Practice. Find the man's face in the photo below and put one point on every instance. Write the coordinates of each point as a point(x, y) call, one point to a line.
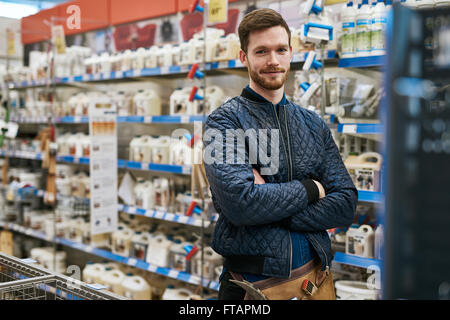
point(268, 57)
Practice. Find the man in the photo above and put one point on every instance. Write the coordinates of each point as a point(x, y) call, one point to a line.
point(272, 227)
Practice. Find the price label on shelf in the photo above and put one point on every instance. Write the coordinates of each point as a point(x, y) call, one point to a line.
point(131, 210)
point(137, 73)
point(152, 268)
point(148, 119)
point(132, 262)
point(159, 214)
point(173, 274)
point(184, 119)
point(170, 216)
point(349, 128)
point(183, 219)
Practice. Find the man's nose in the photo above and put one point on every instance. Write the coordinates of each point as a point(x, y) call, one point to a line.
point(272, 59)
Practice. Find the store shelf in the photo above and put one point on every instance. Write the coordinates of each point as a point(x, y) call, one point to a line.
point(356, 261)
point(124, 164)
point(166, 216)
point(168, 272)
point(362, 62)
point(149, 72)
point(360, 128)
point(370, 196)
point(120, 119)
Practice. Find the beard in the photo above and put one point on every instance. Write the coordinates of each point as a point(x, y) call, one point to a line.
point(268, 82)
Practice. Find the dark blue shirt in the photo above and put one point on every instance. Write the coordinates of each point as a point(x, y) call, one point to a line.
point(302, 250)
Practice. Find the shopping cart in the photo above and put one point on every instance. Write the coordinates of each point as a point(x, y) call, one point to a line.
point(20, 280)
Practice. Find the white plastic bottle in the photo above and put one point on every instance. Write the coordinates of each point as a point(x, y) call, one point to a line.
point(379, 242)
point(363, 25)
point(348, 39)
point(379, 22)
point(136, 288)
point(426, 3)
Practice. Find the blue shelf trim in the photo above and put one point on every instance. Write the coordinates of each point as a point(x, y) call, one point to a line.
point(370, 196)
point(362, 62)
point(356, 261)
point(362, 128)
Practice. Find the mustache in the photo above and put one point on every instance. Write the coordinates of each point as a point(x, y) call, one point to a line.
point(273, 70)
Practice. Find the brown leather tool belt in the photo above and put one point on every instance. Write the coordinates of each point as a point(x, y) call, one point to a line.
point(307, 282)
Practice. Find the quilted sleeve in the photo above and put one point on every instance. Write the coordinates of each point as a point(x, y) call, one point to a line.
point(241, 201)
point(338, 207)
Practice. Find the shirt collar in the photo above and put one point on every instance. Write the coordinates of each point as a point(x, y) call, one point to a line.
point(251, 94)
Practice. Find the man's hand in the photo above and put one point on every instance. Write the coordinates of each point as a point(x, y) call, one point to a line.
point(321, 189)
point(258, 178)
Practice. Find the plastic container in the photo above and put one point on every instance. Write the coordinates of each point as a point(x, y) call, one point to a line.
point(144, 195)
point(365, 170)
point(161, 149)
point(355, 290)
point(92, 272)
point(379, 242)
point(140, 149)
point(158, 251)
point(162, 193)
point(177, 255)
point(185, 53)
point(348, 38)
point(379, 23)
point(176, 294)
point(124, 102)
point(212, 260)
point(179, 102)
point(180, 152)
point(363, 30)
point(150, 57)
point(139, 245)
point(136, 288)
point(75, 231)
point(360, 242)
point(121, 242)
point(214, 99)
point(147, 103)
point(226, 48)
point(113, 281)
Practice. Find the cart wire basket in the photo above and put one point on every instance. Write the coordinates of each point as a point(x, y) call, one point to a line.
point(20, 280)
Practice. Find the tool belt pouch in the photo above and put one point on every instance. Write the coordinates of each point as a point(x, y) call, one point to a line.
point(306, 283)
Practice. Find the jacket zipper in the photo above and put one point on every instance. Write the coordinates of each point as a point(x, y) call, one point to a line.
point(289, 179)
point(284, 145)
point(327, 268)
point(288, 143)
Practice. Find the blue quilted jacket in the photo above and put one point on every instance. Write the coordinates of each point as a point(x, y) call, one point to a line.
point(252, 232)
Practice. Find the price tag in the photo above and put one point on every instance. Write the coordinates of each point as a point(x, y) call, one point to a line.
point(349, 128)
point(170, 216)
point(184, 119)
point(137, 73)
point(86, 77)
point(183, 219)
point(148, 119)
point(131, 210)
point(152, 268)
point(173, 274)
point(186, 169)
point(97, 76)
point(218, 11)
point(58, 39)
point(11, 42)
point(159, 214)
point(132, 262)
point(149, 213)
point(77, 119)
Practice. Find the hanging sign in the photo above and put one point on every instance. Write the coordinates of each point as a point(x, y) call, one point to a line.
point(11, 42)
point(103, 165)
point(58, 38)
point(218, 11)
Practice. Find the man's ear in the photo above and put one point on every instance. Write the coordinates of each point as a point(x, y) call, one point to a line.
point(243, 58)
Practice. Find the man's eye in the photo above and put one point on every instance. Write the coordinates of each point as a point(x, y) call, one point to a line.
point(282, 49)
point(260, 51)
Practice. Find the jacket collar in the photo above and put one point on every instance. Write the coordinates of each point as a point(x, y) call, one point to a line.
point(251, 94)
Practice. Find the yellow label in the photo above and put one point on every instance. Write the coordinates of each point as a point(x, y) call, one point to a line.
point(59, 41)
point(11, 42)
point(218, 11)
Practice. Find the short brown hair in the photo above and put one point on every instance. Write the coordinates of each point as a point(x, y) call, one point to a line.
point(257, 20)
